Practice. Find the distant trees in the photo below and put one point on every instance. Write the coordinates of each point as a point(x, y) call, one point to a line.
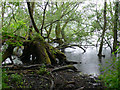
point(112, 25)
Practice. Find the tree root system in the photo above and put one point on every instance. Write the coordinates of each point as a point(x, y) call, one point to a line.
point(52, 78)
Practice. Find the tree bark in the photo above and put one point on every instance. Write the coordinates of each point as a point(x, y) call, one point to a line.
point(31, 26)
point(48, 35)
point(62, 30)
point(104, 29)
point(42, 52)
point(115, 27)
point(32, 19)
point(58, 34)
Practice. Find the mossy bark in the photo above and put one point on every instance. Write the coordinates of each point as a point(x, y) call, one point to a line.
point(39, 51)
point(42, 52)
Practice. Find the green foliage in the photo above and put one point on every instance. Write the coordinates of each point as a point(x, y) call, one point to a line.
point(42, 70)
point(11, 39)
point(16, 78)
point(110, 76)
point(18, 28)
point(15, 3)
point(38, 37)
point(4, 79)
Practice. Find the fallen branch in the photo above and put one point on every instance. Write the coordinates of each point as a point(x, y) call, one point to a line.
point(64, 68)
point(72, 46)
point(72, 62)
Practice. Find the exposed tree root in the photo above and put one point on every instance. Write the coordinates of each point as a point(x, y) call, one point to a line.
point(64, 68)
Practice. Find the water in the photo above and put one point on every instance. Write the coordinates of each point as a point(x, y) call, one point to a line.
point(90, 61)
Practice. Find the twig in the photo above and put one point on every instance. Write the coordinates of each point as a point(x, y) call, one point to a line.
point(61, 16)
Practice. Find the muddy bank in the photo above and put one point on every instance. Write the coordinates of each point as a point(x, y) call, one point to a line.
point(44, 79)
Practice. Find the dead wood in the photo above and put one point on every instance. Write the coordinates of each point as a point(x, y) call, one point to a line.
point(63, 46)
point(72, 62)
point(64, 68)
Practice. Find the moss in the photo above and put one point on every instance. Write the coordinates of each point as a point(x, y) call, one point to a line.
point(47, 57)
point(38, 37)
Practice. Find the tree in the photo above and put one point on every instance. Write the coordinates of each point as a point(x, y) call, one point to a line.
point(104, 29)
point(31, 26)
point(115, 26)
point(41, 51)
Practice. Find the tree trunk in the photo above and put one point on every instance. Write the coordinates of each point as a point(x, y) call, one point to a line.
point(31, 26)
point(31, 16)
point(42, 52)
point(58, 33)
point(115, 27)
point(48, 35)
point(63, 32)
point(104, 29)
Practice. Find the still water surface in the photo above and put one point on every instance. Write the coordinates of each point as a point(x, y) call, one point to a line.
point(90, 63)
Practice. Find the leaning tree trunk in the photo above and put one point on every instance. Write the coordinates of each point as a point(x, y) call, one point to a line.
point(104, 29)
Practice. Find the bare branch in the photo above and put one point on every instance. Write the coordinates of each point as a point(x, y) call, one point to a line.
point(61, 16)
point(43, 17)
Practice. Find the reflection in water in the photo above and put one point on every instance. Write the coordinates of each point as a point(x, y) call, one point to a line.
point(90, 61)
